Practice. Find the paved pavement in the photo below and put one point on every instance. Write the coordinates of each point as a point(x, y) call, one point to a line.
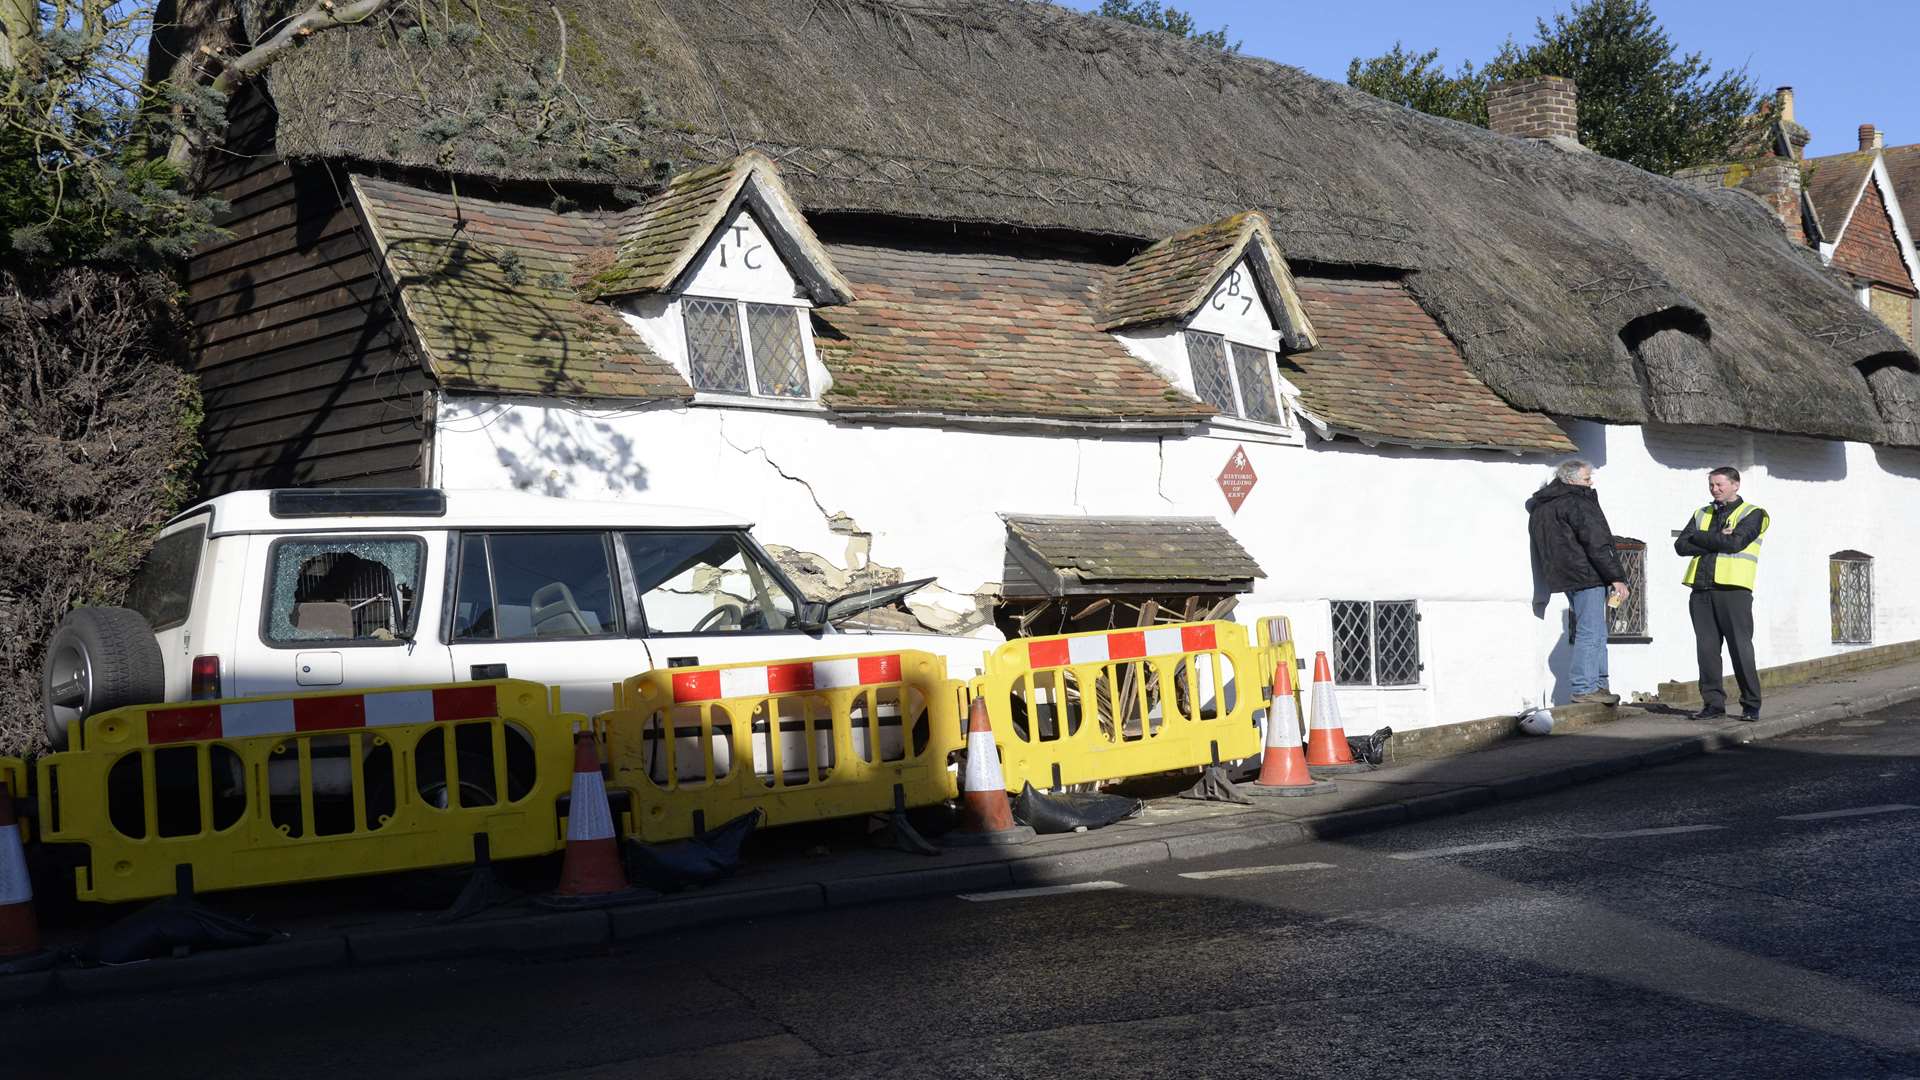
point(364, 924)
point(1745, 913)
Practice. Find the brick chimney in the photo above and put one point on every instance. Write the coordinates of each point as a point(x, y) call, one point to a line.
point(1540, 107)
point(1776, 182)
point(1870, 138)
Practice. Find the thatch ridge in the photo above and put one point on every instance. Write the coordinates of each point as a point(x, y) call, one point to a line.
point(1533, 258)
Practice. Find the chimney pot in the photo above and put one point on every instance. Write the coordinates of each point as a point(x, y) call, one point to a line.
point(1870, 139)
point(1783, 102)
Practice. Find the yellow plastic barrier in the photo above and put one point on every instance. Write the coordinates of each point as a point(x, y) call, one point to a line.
point(1077, 708)
point(801, 740)
point(267, 791)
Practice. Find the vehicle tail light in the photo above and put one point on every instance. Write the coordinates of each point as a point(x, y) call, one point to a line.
point(206, 678)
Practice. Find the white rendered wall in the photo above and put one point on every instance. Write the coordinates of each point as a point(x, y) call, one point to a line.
point(1326, 520)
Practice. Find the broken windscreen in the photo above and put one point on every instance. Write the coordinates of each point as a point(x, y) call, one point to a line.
point(705, 582)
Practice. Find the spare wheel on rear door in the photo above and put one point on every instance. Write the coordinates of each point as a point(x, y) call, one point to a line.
point(100, 658)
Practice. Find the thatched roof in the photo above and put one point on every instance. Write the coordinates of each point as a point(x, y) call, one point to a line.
point(1553, 270)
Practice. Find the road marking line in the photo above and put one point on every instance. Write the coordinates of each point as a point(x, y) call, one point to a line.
point(1255, 871)
point(1858, 812)
point(1670, 830)
point(1463, 849)
point(1044, 890)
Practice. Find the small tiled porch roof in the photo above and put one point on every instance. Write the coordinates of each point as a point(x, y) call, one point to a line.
point(1068, 554)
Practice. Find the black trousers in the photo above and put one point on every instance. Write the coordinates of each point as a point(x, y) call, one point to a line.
point(1725, 615)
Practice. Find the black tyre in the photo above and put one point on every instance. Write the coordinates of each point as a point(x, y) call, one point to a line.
point(100, 658)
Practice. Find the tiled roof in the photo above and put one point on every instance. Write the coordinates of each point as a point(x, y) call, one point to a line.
point(658, 241)
point(1107, 549)
point(1833, 183)
point(1384, 371)
point(982, 333)
point(1903, 168)
point(1172, 278)
point(489, 289)
point(654, 238)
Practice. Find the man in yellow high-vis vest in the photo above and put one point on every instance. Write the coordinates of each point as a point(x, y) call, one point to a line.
point(1723, 542)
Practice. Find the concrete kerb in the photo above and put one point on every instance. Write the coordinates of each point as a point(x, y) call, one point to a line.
point(544, 933)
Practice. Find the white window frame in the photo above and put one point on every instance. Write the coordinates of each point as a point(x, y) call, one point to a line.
point(810, 362)
point(1279, 387)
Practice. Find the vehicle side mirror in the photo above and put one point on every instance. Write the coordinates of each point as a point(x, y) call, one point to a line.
point(812, 616)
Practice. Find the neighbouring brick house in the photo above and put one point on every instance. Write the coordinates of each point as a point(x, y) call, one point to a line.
point(1848, 207)
point(1033, 301)
point(1866, 237)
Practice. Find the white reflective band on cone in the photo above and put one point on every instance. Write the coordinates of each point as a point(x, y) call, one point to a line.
point(15, 888)
point(1326, 709)
point(1283, 727)
point(587, 815)
point(983, 763)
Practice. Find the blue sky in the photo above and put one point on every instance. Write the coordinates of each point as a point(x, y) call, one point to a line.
point(1840, 81)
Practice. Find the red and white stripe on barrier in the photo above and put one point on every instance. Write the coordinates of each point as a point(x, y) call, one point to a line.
point(760, 681)
point(288, 716)
point(1120, 645)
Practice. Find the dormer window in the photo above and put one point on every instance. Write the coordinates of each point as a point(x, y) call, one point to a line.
point(739, 347)
point(1235, 378)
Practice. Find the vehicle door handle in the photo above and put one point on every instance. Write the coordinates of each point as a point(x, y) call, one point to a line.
point(487, 671)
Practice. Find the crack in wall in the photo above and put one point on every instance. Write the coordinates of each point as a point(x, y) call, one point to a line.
point(825, 516)
point(1160, 480)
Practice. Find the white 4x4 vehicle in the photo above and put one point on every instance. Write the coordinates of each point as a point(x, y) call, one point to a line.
point(266, 592)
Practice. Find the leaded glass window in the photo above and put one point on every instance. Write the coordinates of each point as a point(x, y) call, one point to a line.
point(740, 348)
point(1208, 355)
point(1254, 367)
point(1236, 379)
point(779, 361)
point(1629, 620)
point(713, 345)
point(1376, 643)
point(1850, 588)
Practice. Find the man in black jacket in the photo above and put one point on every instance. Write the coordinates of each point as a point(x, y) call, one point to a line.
point(1573, 546)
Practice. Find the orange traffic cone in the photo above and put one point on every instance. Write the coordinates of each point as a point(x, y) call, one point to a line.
point(19, 929)
point(1283, 768)
point(591, 873)
point(985, 815)
point(1327, 737)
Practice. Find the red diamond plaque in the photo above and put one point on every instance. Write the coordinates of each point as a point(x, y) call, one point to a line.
point(1237, 478)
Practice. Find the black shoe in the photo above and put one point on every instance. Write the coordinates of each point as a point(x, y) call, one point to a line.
point(1750, 714)
point(1710, 712)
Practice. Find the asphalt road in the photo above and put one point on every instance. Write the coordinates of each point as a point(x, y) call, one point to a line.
point(1745, 914)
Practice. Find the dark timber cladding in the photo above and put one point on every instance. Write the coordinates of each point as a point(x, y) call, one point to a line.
point(305, 373)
